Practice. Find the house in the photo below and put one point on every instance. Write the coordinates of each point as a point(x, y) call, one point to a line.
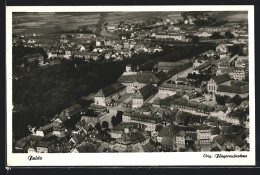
point(149, 148)
point(142, 94)
point(239, 73)
point(136, 80)
point(214, 82)
point(191, 138)
point(165, 132)
point(240, 145)
point(167, 144)
point(180, 140)
point(109, 93)
point(34, 57)
point(204, 135)
point(87, 148)
point(218, 142)
point(42, 147)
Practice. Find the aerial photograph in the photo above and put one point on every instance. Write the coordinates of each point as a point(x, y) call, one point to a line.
point(113, 82)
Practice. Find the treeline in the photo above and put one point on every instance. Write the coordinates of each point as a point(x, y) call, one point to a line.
point(47, 91)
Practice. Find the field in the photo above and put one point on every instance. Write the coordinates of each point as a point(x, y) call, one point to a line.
point(46, 22)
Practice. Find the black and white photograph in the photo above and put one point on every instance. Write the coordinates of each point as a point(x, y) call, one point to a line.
point(170, 81)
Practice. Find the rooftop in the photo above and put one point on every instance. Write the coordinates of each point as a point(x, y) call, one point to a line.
point(140, 77)
point(109, 90)
point(221, 78)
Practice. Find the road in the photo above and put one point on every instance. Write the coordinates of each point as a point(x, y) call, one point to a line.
point(113, 110)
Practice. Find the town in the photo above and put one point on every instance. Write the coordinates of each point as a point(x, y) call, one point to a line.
point(174, 83)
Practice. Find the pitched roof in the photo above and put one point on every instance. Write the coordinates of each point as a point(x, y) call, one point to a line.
point(140, 77)
point(233, 89)
point(191, 135)
point(43, 144)
point(215, 149)
point(168, 141)
point(165, 132)
point(149, 148)
point(202, 66)
point(176, 86)
point(109, 90)
point(145, 92)
point(86, 148)
point(240, 143)
point(221, 78)
point(73, 110)
point(22, 142)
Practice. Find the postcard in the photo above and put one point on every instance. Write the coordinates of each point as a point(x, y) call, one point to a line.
point(130, 85)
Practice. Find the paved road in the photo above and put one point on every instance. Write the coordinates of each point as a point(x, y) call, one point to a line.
point(113, 111)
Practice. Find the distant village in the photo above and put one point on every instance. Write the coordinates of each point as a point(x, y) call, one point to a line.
point(203, 106)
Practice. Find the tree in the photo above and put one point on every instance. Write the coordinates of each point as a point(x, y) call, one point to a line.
point(236, 99)
point(229, 35)
point(215, 131)
point(216, 35)
point(113, 121)
point(98, 127)
point(105, 124)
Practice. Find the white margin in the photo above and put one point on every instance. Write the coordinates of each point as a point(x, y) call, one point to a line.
point(128, 159)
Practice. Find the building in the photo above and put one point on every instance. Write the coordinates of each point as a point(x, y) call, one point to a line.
point(171, 89)
point(189, 106)
point(168, 66)
point(173, 36)
point(234, 88)
point(180, 140)
point(201, 67)
point(150, 121)
point(214, 82)
point(109, 93)
point(136, 80)
point(204, 135)
point(42, 147)
point(143, 94)
point(239, 73)
point(34, 57)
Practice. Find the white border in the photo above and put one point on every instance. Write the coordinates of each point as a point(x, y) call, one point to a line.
point(128, 159)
